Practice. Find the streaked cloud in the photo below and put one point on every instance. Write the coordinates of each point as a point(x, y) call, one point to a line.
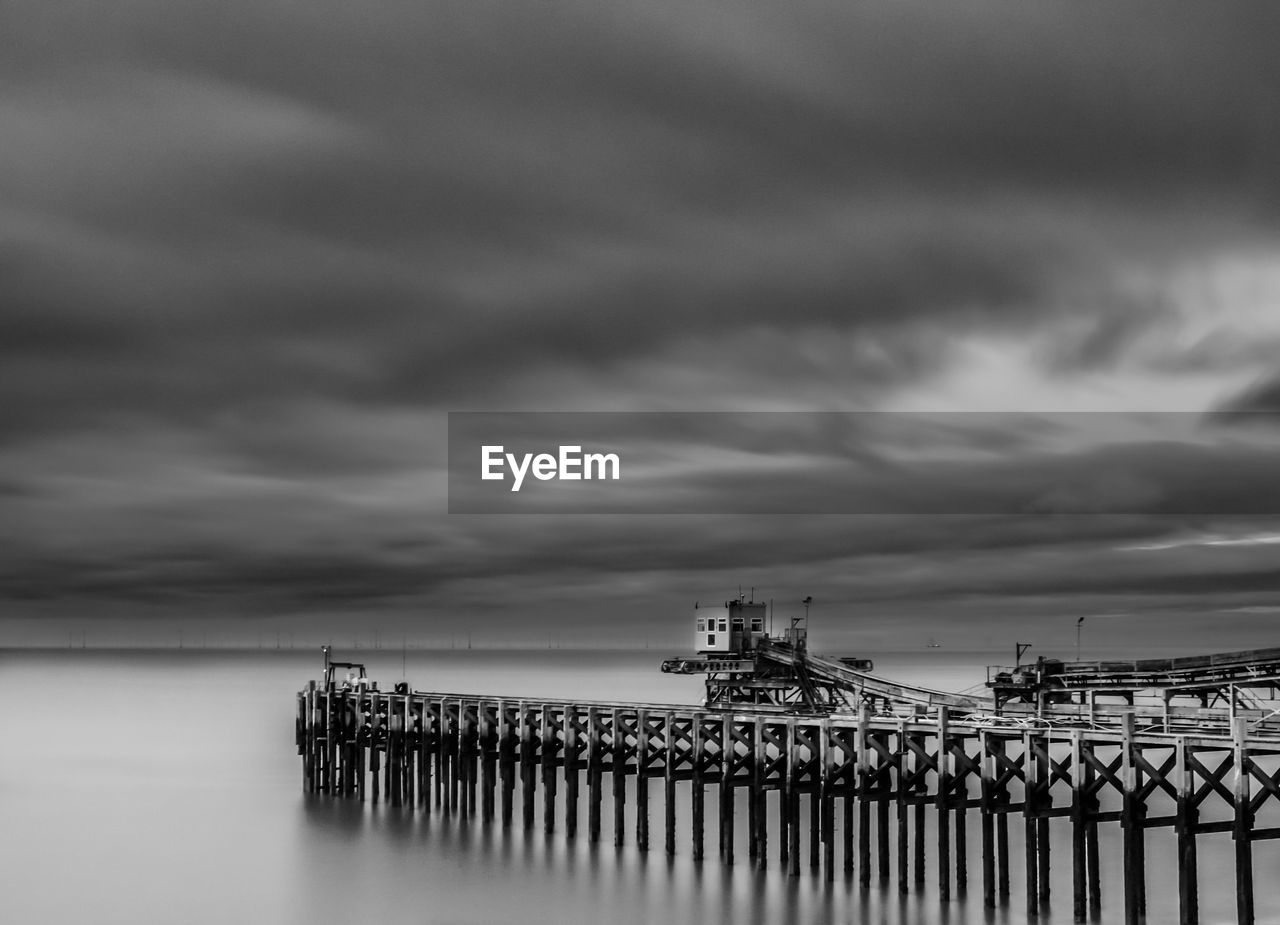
point(251, 254)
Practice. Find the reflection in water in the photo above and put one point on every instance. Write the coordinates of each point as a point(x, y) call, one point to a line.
point(164, 787)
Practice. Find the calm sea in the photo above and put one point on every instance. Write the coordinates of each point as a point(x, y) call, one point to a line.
point(164, 787)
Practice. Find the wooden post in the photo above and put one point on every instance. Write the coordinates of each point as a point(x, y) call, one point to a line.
point(862, 752)
point(728, 762)
point(986, 768)
point(473, 758)
point(305, 734)
point(944, 829)
point(412, 753)
point(506, 761)
point(642, 780)
point(1002, 848)
point(791, 805)
point(904, 872)
point(1030, 841)
point(376, 729)
point(784, 798)
point(594, 761)
point(1128, 820)
point(850, 789)
point(461, 782)
point(885, 775)
point(442, 757)
point(618, 769)
point(1093, 863)
point(1188, 885)
point(698, 788)
point(919, 796)
point(815, 806)
point(669, 782)
point(757, 800)
point(572, 753)
point(961, 827)
point(456, 767)
point(1242, 828)
point(394, 735)
point(328, 741)
point(527, 746)
point(486, 763)
point(548, 764)
point(395, 740)
point(826, 799)
point(360, 775)
point(1078, 850)
point(1044, 805)
point(1140, 839)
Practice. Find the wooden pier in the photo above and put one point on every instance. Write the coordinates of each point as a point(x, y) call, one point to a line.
point(841, 789)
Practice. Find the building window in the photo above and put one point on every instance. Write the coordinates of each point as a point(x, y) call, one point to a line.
point(711, 639)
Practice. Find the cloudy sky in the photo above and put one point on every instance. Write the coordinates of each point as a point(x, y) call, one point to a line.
point(253, 253)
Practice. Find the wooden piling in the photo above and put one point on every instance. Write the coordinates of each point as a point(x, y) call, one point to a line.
point(885, 781)
point(785, 772)
point(1093, 861)
point(442, 755)
point(1029, 828)
point(826, 799)
point(1078, 846)
point(486, 764)
point(815, 813)
point(757, 802)
point(1242, 828)
point(904, 872)
point(595, 763)
point(472, 731)
point(507, 745)
point(618, 772)
point(669, 782)
point(642, 780)
point(1188, 881)
point(863, 758)
point(456, 766)
point(728, 770)
point(546, 724)
point(1044, 808)
point(528, 745)
point(1128, 821)
point(961, 799)
point(941, 802)
point(572, 756)
point(697, 788)
point(791, 804)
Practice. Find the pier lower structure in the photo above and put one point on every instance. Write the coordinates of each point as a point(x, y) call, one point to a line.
point(885, 799)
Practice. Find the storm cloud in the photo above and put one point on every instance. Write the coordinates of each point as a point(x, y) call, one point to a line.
point(252, 253)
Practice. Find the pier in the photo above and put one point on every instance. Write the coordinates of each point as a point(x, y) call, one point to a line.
point(843, 794)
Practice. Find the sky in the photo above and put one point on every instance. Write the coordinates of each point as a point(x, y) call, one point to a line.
point(252, 254)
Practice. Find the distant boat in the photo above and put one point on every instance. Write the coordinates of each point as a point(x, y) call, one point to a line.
point(934, 644)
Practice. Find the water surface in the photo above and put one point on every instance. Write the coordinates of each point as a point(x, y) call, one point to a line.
point(163, 786)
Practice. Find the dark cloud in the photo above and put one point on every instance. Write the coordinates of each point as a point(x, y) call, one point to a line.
point(1259, 402)
point(250, 253)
